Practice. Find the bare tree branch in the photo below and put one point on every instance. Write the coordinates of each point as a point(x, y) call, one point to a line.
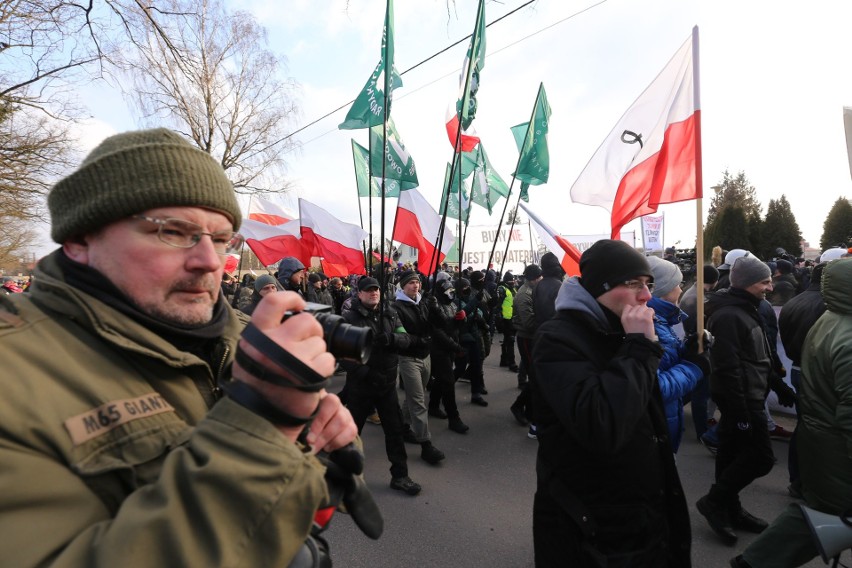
point(207, 73)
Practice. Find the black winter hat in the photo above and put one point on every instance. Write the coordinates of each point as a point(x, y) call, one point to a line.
point(407, 276)
point(508, 277)
point(711, 274)
point(608, 263)
point(532, 271)
point(550, 265)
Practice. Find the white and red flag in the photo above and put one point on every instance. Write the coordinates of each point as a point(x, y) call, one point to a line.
point(653, 155)
point(463, 111)
point(567, 253)
point(267, 212)
point(417, 225)
point(232, 261)
point(338, 244)
point(271, 243)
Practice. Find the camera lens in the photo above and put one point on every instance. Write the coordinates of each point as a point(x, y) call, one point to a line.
point(345, 341)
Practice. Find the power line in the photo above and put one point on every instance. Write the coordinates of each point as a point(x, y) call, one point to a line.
point(434, 55)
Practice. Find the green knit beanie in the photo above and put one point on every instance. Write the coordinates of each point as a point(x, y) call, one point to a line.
point(135, 171)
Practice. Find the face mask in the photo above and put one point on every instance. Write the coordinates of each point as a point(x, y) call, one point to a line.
point(450, 293)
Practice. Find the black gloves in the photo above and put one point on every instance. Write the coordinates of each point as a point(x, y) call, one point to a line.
point(387, 340)
point(700, 360)
point(692, 341)
point(786, 395)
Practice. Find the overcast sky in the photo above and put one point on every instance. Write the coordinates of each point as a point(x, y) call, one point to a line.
point(774, 78)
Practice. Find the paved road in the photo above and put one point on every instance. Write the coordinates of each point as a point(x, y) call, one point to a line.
point(475, 509)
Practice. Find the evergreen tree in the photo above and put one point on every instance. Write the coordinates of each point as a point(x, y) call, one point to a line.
point(740, 228)
point(734, 191)
point(837, 228)
point(729, 229)
point(779, 230)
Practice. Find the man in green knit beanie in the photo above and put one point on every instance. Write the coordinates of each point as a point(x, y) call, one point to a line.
point(116, 438)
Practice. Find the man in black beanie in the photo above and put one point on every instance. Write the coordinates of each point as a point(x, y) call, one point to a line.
point(118, 435)
point(608, 490)
point(742, 374)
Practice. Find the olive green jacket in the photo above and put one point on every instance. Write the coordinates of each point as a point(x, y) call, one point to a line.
point(110, 454)
point(824, 432)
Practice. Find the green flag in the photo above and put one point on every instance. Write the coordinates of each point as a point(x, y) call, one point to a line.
point(474, 62)
point(453, 201)
point(531, 139)
point(360, 155)
point(369, 107)
point(488, 186)
point(399, 163)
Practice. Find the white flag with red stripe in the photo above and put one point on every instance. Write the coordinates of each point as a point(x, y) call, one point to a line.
point(567, 253)
point(653, 155)
point(265, 211)
point(417, 225)
point(338, 244)
point(271, 243)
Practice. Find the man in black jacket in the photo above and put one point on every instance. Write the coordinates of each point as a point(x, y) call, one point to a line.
point(544, 295)
point(608, 492)
point(415, 366)
point(373, 385)
point(797, 318)
point(743, 369)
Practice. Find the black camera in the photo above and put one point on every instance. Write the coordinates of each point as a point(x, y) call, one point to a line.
point(344, 341)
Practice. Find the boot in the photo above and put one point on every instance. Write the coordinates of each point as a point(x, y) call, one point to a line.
point(430, 454)
point(718, 518)
point(456, 425)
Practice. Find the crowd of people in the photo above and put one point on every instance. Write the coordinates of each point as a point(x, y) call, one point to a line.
point(159, 412)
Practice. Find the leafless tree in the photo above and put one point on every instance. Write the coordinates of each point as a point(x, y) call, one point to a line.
point(207, 73)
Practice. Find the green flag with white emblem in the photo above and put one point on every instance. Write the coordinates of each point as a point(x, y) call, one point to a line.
point(531, 139)
point(487, 186)
point(369, 107)
point(361, 156)
point(399, 164)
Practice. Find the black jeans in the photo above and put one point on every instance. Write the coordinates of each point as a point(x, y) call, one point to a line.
point(444, 387)
point(507, 351)
point(471, 365)
point(363, 398)
point(743, 456)
point(525, 400)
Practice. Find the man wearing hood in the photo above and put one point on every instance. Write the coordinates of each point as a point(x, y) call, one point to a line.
point(414, 363)
point(608, 491)
point(293, 276)
point(742, 374)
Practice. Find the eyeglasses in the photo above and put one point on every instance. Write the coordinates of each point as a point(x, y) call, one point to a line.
point(637, 285)
point(183, 234)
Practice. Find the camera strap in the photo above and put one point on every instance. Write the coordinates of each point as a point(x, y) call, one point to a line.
point(293, 373)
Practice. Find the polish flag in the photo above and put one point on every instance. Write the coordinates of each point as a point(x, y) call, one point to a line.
point(417, 225)
point(231, 262)
point(653, 155)
point(469, 138)
point(338, 244)
point(267, 212)
point(567, 253)
point(271, 243)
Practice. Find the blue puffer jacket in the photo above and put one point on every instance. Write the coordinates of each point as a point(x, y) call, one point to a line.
point(677, 376)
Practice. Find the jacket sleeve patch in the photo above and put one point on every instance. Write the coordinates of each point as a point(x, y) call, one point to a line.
point(113, 414)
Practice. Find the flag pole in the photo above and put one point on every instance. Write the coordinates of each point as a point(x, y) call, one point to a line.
point(511, 185)
point(456, 148)
point(358, 198)
point(240, 265)
point(370, 202)
point(532, 252)
point(509, 233)
point(699, 182)
point(388, 73)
